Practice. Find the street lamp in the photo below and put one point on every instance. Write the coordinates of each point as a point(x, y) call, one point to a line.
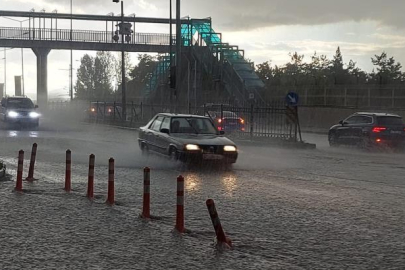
point(71, 51)
point(5, 71)
point(22, 54)
point(123, 82)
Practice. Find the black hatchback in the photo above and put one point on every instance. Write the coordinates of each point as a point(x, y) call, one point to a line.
point(369, 129)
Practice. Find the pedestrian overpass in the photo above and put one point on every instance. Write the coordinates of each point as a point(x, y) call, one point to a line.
point(43, 35)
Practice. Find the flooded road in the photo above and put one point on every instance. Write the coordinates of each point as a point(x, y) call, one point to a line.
point(283, 208)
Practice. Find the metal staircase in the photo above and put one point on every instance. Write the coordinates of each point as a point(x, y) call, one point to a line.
point(221, 61)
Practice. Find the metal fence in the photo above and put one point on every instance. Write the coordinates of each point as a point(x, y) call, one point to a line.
point(250, 121)
point(354, 96)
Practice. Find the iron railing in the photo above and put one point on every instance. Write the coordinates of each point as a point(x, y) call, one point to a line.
point(270, 121)
point(48, 34)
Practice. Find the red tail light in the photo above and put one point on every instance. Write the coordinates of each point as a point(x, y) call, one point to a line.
point(379, 129)
point(219, 128)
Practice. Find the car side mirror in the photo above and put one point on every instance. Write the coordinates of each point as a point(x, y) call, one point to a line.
point(221, 132)
point(165, 130)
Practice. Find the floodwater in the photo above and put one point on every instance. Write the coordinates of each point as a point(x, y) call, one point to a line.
point(283, 208)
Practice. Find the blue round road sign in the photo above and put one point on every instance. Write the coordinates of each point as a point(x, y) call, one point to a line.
point(292, 99)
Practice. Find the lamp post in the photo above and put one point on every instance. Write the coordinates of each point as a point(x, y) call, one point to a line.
point(5, 72)
point(22, 54)
point(71, 51)
point(178, 52)
point(123, 81)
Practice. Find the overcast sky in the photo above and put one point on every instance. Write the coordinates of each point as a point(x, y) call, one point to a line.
point(266, 29)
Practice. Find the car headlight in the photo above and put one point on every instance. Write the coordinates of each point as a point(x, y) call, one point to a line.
point(12, 114)
point(192, 147)
point(229, 148)
point(34, 114)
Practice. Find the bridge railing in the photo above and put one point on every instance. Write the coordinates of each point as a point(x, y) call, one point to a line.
point(49, 34)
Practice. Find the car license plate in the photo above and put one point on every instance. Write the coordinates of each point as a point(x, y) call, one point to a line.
point(212, 157)
point(395, 132)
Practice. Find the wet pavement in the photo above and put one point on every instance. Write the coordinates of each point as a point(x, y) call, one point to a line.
point(283, 208)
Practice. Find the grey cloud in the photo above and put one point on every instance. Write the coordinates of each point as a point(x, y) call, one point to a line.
point(237, 15)
point(245, 14)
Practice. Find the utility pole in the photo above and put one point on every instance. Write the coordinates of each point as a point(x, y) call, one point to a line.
point(123, 84)
point(71, 51)
point(5, 72)
point(171, 51)
point(178, 53)
point(22, 63)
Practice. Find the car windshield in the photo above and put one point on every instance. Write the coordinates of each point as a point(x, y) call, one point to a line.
point(192, 125)
point(20, 103)
point(390, 121)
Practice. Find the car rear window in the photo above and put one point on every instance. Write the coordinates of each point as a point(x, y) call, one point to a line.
point(390, 121)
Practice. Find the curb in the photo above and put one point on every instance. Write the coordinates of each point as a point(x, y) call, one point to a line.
point(283, 144)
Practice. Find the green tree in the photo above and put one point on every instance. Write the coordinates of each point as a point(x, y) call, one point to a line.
point(118, 67)
point(85, 78)
point(140, 75)
point(102, 75)
point(388, 70)
point(95, 76)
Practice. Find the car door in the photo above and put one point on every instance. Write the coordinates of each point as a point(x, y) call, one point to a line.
point(147, 133)
point(163, 139)
point(360, 127)
point(346, 131)
point(154, 133)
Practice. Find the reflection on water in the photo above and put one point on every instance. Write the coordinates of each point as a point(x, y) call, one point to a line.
point(229, 182)
point(192, 182)
point(16, 133)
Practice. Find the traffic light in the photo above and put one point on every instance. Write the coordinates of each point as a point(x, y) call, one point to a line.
point(172, 77)
point(116, 1)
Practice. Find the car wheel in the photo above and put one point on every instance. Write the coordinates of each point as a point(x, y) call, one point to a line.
point(364, 143)
point(144, 149)
point(333, 140)
point(173, 154)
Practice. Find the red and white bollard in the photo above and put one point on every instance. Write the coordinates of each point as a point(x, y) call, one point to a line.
point(110, 198)
point(18, 186)
point(221, 237)
point(90, 183)
point(146, 193)
point(32, 163)
point(68, 174)
point(180, 205)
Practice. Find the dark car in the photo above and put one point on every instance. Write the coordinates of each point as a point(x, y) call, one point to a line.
point(229, 121)
point(369, 129)
point(186, 138)
point(104, 110)
point(19, 110)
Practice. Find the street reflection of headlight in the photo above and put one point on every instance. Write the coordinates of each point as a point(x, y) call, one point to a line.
point(12, 114)
point(192, 147)
point(34, 114)
point(229, 148)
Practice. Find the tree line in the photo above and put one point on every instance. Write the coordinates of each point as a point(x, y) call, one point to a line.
point(323, 71)
point(99, 77)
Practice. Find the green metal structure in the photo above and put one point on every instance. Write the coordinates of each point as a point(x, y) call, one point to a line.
point(220, 61)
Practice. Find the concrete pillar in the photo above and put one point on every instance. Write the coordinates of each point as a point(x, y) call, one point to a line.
point(42, 76)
